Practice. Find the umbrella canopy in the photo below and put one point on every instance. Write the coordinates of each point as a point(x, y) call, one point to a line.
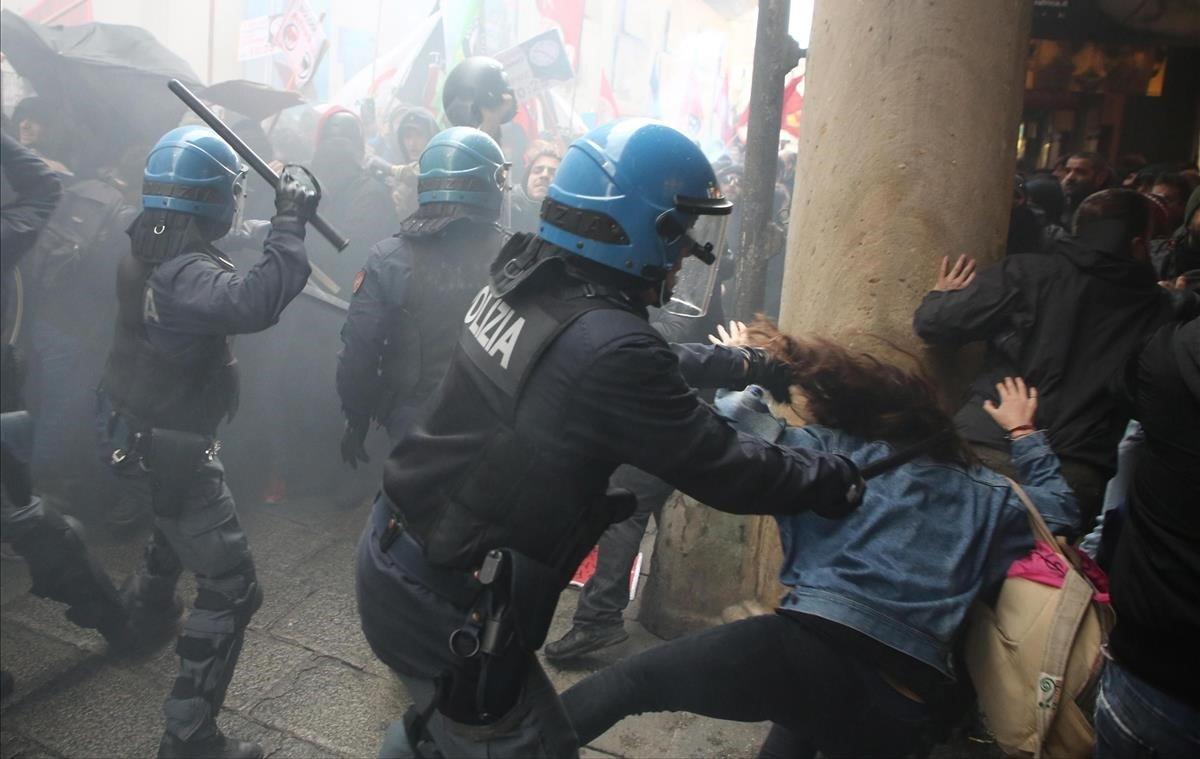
point(108, 81)
point(254, 100)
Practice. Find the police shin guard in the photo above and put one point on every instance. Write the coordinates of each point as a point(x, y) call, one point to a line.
point(62, 570)
point(149, 594)
point(208, 652)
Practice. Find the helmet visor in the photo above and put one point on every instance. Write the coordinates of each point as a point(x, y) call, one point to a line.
point(502, 175)
point(697, 277)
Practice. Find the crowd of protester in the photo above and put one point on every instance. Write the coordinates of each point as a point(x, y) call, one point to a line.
point(1092, 348)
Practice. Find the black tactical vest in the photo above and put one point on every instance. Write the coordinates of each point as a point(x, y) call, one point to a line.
point(446, 272)
point(463, 479)
point(151, 391)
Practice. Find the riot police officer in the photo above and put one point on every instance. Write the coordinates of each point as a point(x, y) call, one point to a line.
point(477, 94)
point(171, 379)
point(51, 544)
point(409, 299)
point(499, 489)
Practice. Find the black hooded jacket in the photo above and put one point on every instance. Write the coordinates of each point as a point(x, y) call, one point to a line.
point(1065, 321)
point(1156, 570)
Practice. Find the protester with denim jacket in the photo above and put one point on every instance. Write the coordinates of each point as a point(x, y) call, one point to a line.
point(861, 648)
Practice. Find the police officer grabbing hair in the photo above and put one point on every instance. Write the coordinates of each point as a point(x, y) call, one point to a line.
point(170, 380)
point(499, 488)
point(409, 299)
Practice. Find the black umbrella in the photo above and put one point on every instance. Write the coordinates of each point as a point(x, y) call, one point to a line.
point(108, 81)
point(254, 100)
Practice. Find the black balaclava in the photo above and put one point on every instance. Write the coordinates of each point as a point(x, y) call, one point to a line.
point(340, 148)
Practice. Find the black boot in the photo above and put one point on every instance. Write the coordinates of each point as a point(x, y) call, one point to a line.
point(581, 640)
point(217, 746)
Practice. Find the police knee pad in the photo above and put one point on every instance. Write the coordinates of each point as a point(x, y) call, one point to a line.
point(241, 594)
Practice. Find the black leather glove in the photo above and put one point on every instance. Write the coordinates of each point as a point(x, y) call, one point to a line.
point(852, 496)
point(764, 370)
point(353, 450)
point(294, 199)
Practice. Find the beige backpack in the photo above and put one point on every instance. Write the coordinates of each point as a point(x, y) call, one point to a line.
point(1035, 658)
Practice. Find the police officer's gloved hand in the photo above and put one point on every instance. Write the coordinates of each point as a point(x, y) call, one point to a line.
point(294, 199)
point(353, 449)
point(852, 495)
point(764, 370)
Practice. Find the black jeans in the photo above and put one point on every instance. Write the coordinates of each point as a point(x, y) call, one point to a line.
point(603, 599)
point(772, 667)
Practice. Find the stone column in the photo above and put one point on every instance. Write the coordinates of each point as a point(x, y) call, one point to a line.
point(907, 154)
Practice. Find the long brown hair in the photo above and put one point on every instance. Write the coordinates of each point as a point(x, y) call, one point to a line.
point(863, 396)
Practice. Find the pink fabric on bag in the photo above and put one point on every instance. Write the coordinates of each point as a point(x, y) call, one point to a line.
point(1047, 566)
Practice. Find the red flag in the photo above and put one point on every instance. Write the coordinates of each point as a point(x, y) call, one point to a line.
point(793, 104)
point(568, 14)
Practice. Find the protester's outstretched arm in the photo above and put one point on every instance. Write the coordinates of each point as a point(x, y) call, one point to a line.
point(731, 363)
point(1036, 463)
point(964, 304)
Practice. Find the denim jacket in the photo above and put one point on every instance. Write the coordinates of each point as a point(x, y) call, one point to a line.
point(929, 537)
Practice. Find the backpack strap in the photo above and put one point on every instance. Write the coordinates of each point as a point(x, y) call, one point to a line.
point(1076, 597)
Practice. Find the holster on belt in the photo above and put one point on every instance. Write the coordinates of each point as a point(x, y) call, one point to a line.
point(511, 616)
point(174, 457)
point(530, 588)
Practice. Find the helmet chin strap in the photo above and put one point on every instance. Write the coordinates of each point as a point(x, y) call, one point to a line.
point(161, 235)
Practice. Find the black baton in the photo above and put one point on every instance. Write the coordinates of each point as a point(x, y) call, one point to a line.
point(249, 156)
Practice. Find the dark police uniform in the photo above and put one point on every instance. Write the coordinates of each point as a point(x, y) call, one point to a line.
point(171, 371)
point(406, 314)
point(60, 566)
point(551, 388)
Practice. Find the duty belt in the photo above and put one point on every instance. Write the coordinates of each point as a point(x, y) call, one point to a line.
point(395, 541)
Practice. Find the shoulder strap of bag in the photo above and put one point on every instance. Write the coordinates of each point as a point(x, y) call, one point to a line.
point(1075, 597)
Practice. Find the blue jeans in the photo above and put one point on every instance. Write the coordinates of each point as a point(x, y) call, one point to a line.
point(1116, 493)
point(1135, 720)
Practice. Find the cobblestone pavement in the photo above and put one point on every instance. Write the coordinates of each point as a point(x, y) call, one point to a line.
point(307, 684)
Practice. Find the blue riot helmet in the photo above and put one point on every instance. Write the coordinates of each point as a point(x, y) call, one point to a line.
point(193, 171)
point(465, 166)
point(636, 195)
